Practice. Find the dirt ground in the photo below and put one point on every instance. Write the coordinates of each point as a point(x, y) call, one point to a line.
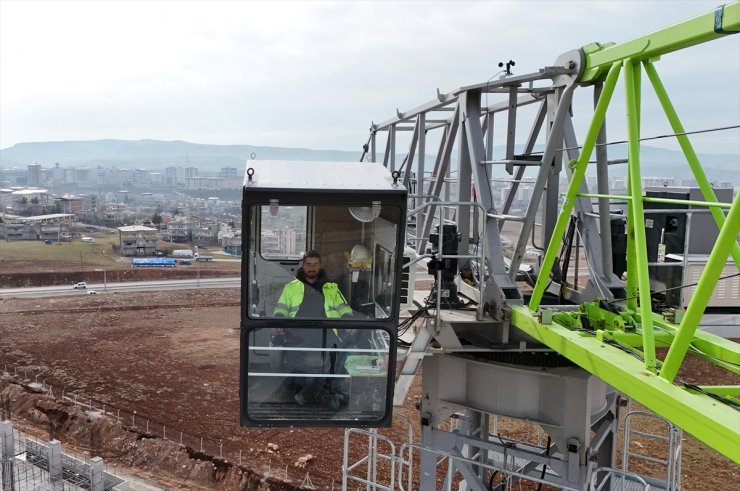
point(166, 365)
point(173, 358)
point(23, 274)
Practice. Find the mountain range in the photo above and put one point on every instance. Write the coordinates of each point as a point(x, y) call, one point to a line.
point(156, 155)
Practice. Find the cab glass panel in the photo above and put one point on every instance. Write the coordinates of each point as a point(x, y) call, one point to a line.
point(320, 314)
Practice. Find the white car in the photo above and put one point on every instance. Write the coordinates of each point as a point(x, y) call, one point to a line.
point(80, 286)
point(92, 292)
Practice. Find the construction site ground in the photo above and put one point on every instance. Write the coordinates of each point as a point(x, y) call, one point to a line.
point(132, 375)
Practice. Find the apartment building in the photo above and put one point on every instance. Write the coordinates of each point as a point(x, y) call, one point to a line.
point(41, 227)
point(137, 240)
point(205, 233)
point(71, 204)
point(180, 230)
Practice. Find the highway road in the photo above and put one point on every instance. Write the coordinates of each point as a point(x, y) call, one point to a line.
point(131, 286)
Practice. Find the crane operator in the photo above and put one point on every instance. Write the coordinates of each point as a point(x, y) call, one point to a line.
point(310, 295)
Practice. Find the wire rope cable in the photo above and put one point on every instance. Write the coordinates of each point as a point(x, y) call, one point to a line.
point(647, 138)
point(669, 289)
point(591, 268)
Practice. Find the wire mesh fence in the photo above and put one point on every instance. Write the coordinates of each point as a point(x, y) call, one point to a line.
point(26, 462)
point(129, 419)
point(198, 446)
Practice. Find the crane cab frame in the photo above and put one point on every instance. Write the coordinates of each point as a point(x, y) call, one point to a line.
point(319, 348)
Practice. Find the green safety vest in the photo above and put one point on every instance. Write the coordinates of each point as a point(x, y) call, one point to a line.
point(335, 306)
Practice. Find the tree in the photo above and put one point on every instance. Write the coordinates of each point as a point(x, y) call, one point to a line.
point(157, 218)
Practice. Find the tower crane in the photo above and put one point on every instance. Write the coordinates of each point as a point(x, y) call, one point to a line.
point(564, 351)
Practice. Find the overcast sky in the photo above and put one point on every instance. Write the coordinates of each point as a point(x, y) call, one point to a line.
point(315, 74)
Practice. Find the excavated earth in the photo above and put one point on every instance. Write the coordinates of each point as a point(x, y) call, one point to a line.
point(25, 274)
point(149, 382)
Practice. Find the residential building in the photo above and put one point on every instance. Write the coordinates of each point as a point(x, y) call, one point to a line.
point(197, 183)
point(84, 177)
point(54, 226)
point(25, 201)
point(34, 174)
point(176, 177)
point(141, 177)
point(180, 230)
point(117, 215)
point(71, 204)
point(56, 175)
point(282, 241)
point(228, 172)
point(205, 233)
point(231, 241)
point(137, 240)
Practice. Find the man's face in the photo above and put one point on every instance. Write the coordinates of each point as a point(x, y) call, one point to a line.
point(311, 267)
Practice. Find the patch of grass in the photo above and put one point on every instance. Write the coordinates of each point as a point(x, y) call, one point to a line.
point(77, 252)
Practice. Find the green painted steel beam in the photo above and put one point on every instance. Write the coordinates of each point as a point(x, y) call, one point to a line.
point(709, 420)
point(728, 394)
point(669, 201)
point(632, 72)
point(631, 286)
point(687, 202)
point(722, 390)
point(663, 339)
point(724, 357)
point(688, 150)
point(719, 363)
point(703, 292)
point(578, 172)
point(700, 29)
point(621, 326)
point(710, 344)
point(605, 196)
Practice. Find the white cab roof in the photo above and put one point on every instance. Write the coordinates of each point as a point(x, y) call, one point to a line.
point(291, 174)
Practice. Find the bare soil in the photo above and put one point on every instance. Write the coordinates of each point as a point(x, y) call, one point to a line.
point(173, 359)
point(164, 368)
point(23, 274)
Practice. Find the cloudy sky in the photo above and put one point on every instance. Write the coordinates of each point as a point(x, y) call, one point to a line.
point(315, 74)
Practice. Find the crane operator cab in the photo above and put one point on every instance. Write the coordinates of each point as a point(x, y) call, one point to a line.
point(321, 271)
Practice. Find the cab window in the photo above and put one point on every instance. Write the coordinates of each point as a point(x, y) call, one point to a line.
point(351, 272)
point(283, 232)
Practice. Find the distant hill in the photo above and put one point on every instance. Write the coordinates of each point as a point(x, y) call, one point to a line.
point(156, 155)
point(659, 162)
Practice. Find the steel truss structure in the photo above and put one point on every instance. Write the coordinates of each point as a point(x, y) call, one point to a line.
point(608, 328)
